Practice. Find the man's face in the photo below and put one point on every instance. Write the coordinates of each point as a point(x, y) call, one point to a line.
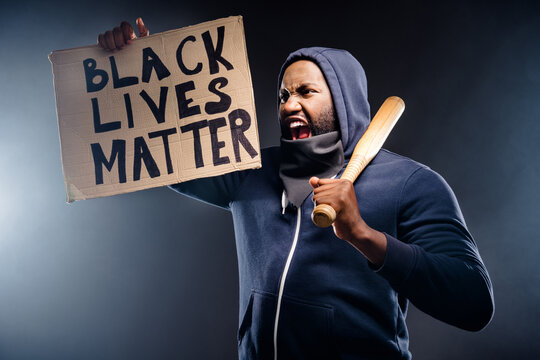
point(306, 108)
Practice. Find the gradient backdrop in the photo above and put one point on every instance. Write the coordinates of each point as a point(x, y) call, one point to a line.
point(153, 275)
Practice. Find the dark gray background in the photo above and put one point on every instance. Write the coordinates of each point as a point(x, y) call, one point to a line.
point(152, 274)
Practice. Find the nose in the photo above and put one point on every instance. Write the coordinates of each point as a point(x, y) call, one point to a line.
point(292, 105)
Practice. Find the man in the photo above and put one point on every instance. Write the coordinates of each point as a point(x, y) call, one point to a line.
point(306, 294)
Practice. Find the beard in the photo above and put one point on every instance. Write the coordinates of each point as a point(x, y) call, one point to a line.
point(324, 123)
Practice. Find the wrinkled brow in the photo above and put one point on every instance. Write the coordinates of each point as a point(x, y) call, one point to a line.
point(302, 85)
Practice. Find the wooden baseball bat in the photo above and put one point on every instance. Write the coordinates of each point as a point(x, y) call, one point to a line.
point(365, 150)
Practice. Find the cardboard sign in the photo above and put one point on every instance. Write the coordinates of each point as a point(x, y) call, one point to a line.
point(170, 107)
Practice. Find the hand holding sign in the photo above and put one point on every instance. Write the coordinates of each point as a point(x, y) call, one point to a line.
point(121, 36)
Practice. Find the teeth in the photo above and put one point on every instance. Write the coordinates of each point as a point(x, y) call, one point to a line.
point(296, 124)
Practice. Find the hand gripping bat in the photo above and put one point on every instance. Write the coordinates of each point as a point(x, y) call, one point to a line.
point(365, 150)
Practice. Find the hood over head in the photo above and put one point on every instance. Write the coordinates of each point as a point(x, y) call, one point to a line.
point(347, 82)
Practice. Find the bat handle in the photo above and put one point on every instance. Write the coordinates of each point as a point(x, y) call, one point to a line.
point(323, 215)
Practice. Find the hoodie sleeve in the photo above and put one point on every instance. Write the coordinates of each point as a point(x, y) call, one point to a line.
point(218, 190)
point(435, 263)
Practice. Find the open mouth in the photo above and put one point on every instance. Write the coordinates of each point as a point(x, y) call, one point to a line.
point(299, 130)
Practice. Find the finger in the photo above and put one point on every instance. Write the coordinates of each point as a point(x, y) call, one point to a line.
point(118, 38)
point(328, 200)
point(316, 182)
point(338, 203)
point(324, 188)
point(327, 192)
point(101, 42)
point(328, 181)
point(127, 31)
point(109, 40)
point(143, 31)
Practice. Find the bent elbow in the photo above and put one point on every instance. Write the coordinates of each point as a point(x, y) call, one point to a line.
point(480, 319)
point(479, 308)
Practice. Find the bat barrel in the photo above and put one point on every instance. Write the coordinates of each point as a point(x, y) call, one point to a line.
point(365, 150)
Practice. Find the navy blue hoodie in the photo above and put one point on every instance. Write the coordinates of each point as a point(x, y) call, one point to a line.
point(304, 293)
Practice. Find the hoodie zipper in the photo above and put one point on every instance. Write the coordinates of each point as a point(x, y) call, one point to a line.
point(284, 276)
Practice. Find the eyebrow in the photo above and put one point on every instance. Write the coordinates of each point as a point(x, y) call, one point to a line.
point(303, 85)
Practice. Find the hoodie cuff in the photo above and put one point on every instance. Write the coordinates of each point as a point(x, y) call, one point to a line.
point(398, 263)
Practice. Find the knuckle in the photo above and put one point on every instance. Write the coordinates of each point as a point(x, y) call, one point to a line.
point(127, 29)
point(347, 186)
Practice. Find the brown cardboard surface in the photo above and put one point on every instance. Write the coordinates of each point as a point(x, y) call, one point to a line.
point(222, 132)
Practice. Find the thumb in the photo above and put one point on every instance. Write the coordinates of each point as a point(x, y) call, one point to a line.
point(143, 31)
point(314, 182)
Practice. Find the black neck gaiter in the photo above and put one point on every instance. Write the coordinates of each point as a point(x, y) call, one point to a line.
point(320, 156)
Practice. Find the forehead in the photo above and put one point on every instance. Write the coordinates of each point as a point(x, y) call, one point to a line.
point(302, 72)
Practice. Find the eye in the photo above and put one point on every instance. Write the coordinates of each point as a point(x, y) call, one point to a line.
point(284, 95)
point(307, 91)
